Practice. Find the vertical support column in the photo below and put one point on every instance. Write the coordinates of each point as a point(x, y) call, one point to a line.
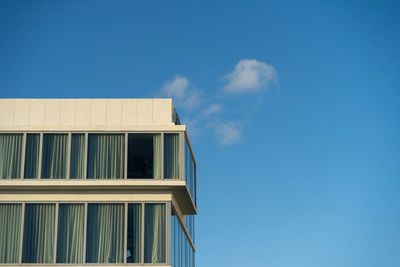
point(126, 232)
point(69, 144)
point(126, 157)
point(85, 233)
point(168, 232)
point(142, 236)
point(22, 233)
point(162, 155)
point(86, 155)
point(40, 156)
point(55, 234)
point(182, 155)
point(23, 156)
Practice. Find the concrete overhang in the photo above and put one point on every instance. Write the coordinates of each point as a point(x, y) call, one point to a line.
point(101, 188)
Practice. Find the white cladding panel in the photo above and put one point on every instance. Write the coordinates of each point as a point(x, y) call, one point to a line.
point(86, 114)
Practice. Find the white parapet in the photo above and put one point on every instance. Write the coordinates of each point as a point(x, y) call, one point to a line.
point(87, 115)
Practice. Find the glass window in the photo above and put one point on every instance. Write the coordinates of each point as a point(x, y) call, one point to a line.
point(171, 155)
point(54, 156)
point(154, 233)
point(106, 156)
point(31, 155)
point(71, 219)
point(134, 233)
point(10, 155)
point(10, 232)
point(105, 233)
point(39, 228)
point(144, 156)
point(77, 164)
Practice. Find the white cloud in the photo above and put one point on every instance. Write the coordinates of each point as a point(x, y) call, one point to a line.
point(228, 133)
point(212, 110)
point(175, 88)
point(250, 75)
point(179, 89)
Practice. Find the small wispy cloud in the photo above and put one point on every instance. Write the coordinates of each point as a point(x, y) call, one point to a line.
point(213, 109)
point(250, 75)
point(209, 113)
point(179, 89)
point(228, 132)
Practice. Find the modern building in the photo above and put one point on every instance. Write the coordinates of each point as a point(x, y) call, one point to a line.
point(108, 182)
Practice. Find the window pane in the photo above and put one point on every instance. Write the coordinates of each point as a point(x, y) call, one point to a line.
point(144, 156)
point(77, 156)
point(10, 232)
point(31, 155)
point(10, 155)
point(154, 233)
point(38, 238)
point(106, 156)
point(54, 156)
point(171, 155)
point(70, 233)
point(105, 233)
point(134, 230)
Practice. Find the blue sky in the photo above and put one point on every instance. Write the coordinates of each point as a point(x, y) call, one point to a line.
point(293, 110)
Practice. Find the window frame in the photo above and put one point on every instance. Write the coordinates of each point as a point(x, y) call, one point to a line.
point(167, 205)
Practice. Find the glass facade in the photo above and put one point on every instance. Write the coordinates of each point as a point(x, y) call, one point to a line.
point(182, 252)
point(92, 232)
point(55, 233)
point(190, 170)
point(97, 156)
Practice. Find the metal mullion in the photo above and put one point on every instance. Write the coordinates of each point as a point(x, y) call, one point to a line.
point(168, 232)
point(55, 234)
point(162, 156)
point(22, 232)
point(69, 141)
point(86, 155)
point(39, 174)
point(85, 233)
point(23, 156)
point(142, 237)
point(126, 232)
point(126, 157)
point(182, 156)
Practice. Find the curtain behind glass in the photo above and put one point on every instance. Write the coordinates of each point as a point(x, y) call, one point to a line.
point(154, 233)
point(77, 164)
point(39, 227)
point(70, 233)
point(31, 155)
point(105, 233)
point(134, 233)
point(171, 156)
point(10, 155)
point(106, 156)
point(54, 156)
point(157, 156)
point(10, 232)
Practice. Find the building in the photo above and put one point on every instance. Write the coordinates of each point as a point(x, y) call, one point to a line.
point(95, 181)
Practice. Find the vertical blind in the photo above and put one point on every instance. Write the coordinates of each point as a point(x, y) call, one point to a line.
point(71, 219)
point(105, 240)
point(32, 155)
point(39, 230)
point(54, 156)
point(106, 156)
point(77, 159)
point(10, 155)
point(171, 155)
point(154, 233)
point(10, 232)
